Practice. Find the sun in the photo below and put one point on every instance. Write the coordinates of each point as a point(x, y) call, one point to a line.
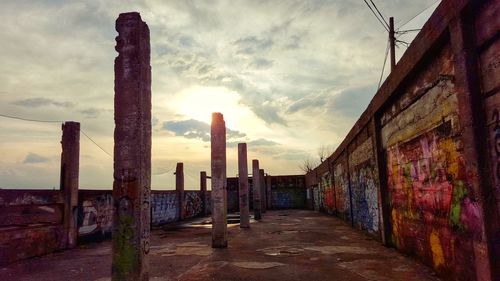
point(199, 102)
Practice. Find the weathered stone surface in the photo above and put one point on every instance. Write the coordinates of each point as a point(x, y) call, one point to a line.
point(132, 152)
point(204, 193)
point(263, 197)
point(219, 196)
point(257, 211)
point(70, 165)
point(179, 188)
point(243, 185)
point(269, 195)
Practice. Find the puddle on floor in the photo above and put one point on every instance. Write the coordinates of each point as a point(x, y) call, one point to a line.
point(329, 250)
point(257, 265)
point(282, 251)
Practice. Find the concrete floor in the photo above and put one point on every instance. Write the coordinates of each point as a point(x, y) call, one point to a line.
point(285, 245)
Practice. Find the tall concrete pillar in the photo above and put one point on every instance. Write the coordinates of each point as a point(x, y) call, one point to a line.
point(256, 190)
point(132, 151)
point(269, 194)
point(219, 181)
point(179, 188)
point(263, 196)
point(243, 185)
point(70, 164)
point(203, 190)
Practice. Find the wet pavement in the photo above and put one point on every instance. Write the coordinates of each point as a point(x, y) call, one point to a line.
point(285, 245)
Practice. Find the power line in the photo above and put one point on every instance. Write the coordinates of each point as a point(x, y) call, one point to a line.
point(52, 121)
point(383, 66)
point(166, 172)
point(375, 6)
point(384, 24)
point(95, 143)
point(32, 120)
point(401, 32)
point(418, 14)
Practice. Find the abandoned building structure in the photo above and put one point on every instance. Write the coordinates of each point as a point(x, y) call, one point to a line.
point(419, 171)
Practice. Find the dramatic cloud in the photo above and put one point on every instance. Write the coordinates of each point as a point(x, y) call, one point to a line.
point(194, 129)
point(37, 102)
point(292, 75)
point(33, 158)
point(255, 143)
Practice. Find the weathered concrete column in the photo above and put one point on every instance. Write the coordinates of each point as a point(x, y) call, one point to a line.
point(243, 185)
point(256, 190)
point(203, 190)
point(263, 197)
point(132, 152)
point(70, 165)
point(219, 182)
point(179, 188)
point(269, 194)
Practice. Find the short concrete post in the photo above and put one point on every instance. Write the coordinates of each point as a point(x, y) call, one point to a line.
point(132, 152)
point(179, 188)
point(70, 164)
point(243, 185)
point(263, 196)
point(203, 190)
point(219, 181)
point(269, 193)
point(256, 190)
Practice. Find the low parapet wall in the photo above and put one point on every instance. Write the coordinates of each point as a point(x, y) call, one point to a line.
point(31, 224)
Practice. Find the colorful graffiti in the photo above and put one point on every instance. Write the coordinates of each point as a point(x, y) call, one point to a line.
point(364, 187)
point(427, 179)
point(193, 204)
point(288, 198)
point(434, 211)
point(364, 190)
point(164, 207)
point(328, 197)
point(342, 196)
point(96, 216)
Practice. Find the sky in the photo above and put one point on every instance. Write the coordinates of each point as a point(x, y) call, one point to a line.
point(288, 76)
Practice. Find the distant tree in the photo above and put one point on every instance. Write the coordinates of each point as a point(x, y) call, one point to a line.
point(324, 152)
point(308, 165)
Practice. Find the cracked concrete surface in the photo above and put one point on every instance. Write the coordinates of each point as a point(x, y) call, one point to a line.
point(320, 247)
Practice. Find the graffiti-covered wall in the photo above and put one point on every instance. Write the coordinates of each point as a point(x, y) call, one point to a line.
point(288, 192)
point(193, 204)
point(364, 187)
point(420, 168)
point(164, 207)
point(327, 190)
point(31, 224)
point(95, 215)
point(342, 190)
point(433, 211)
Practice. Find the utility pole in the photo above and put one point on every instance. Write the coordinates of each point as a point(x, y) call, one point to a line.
point(392, 42)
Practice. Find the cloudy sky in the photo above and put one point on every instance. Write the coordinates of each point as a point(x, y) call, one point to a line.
point(289, 77)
